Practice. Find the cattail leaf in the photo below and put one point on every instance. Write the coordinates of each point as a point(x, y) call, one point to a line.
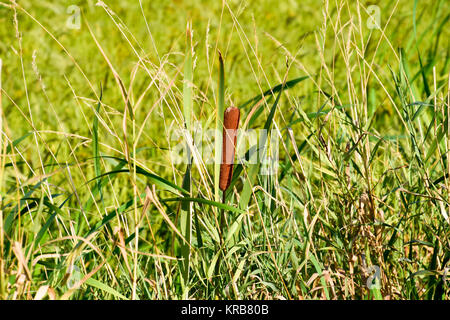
point(187, 82)
point(279, 87)
point(254, 168)
point(95, 148)
point(186, 207)
point(219, 123)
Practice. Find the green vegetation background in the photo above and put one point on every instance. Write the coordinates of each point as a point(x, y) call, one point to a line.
point(363, 179)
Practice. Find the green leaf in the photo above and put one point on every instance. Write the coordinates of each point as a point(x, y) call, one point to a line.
point(17, 141)
point(97, 284)
point(219, 128)
point(205, 201)
point(254, 168)
point(279, 87)
point(95, 148)
point(153, 178)
point(319, 271)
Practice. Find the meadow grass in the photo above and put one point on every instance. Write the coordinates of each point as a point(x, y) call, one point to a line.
point(95, 206)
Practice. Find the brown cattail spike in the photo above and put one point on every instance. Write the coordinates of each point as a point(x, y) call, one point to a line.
point(230, 126)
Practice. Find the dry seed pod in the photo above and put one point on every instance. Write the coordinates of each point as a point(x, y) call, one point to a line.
point(230, 125)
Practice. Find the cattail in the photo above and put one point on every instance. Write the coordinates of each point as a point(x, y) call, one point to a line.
point(230, 125)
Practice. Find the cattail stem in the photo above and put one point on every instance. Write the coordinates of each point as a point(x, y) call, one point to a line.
point(222, 218)
point(230, 125)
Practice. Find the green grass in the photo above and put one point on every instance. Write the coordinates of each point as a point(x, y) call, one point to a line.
point(93, 205)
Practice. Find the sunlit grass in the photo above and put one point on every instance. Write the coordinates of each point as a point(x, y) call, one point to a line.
point(95, 206)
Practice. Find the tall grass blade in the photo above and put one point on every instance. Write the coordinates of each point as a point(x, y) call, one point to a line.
point(254, 168)
point(186, 206)
point(219, 124)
